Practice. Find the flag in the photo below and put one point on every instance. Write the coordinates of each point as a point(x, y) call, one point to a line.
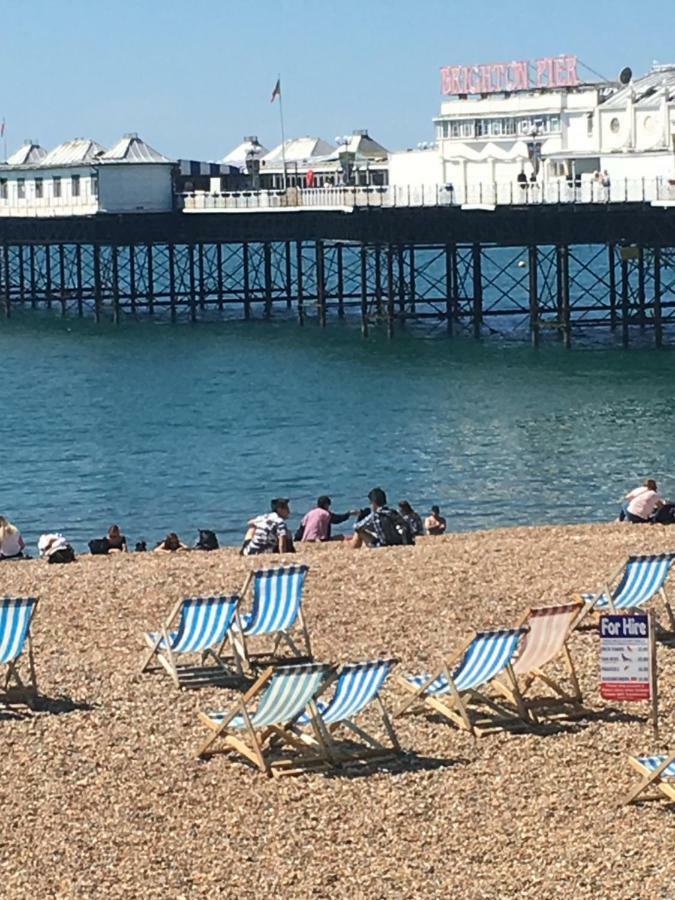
point(2, 128)
point(277, 91)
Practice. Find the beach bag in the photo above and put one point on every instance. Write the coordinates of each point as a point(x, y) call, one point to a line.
point(99, 546)
point(207, 540)
point(394, 527)
point(63, 555)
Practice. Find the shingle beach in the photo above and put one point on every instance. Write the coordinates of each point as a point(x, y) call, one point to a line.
point(102, 795)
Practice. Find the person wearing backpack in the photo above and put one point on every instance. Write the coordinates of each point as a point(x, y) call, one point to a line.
point(382, 526)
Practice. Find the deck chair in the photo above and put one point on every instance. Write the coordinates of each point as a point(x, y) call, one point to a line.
point(657, 772)
point(358, 685)
point(549, 628)
point(456, 696)
point(204, 627)
point(282, 694)
point(16, 617)
point(276, 611)
point(637, 582)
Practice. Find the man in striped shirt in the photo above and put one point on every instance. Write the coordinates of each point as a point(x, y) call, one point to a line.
point(269, 533)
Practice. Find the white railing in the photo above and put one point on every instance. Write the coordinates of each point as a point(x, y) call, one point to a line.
point(482, 194)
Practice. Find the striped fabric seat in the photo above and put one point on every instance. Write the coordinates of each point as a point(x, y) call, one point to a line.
point(643, 577)
point(277, 595)
point(15, 618)
point(358, 684)
point(549, 627)
point(651, 763)
point(204, 623)
point(286, 696)
point(488, 654)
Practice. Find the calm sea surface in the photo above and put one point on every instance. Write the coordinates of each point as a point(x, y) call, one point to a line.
point(163, 427)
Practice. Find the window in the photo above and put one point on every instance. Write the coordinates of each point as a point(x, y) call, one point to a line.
point(21, 188)
point(38, 189)
point(3, 189)
point(614, 125)
point(56, 185)
point(94, 186)
point(75, 185)
point(589, 124)
point(553, 124)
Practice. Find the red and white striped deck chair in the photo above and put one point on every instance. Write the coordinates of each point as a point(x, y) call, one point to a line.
point(549, 629)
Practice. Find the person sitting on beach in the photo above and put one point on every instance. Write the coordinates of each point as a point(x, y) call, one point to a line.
point(434, 522)
point(412, 518)
point(269, 533)
point(316, 524)
point(170, 544)
point(381, 526)
point(117, 543)
point(11, 543)
point(643, 502)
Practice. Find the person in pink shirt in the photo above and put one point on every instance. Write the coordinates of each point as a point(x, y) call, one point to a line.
point(643, 502)
point(316, 525)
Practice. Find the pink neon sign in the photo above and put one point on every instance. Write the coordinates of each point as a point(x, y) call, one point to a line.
point(519, 75)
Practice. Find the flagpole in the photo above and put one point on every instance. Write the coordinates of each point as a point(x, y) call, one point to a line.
point(283, 134)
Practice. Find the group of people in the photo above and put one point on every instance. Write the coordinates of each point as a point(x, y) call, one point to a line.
point(378, 525)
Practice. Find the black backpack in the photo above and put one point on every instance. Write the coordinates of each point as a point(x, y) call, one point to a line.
point(207, 540)
point(394, 527)
point(99, 546)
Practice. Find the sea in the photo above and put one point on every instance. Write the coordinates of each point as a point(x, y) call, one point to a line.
point(160, 427)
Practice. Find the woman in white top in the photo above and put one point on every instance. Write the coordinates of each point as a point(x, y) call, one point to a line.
point(643, 502)
point(11, 542)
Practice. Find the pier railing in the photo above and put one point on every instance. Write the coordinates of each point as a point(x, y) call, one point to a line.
point(478, 194)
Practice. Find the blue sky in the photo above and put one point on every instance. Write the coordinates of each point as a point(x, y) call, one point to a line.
point(194, 77)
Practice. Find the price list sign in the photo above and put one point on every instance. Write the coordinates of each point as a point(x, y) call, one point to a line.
point(626, 657)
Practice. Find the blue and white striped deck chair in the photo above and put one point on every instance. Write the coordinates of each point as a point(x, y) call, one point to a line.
point(282, 694)
point(637, 582)
point(657, 772)
point(204, 626)
point(358, 685)
point(16, 616)
point(453, 688)
point(276, 611)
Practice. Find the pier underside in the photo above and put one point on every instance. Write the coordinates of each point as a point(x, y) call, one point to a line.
point(517, 272)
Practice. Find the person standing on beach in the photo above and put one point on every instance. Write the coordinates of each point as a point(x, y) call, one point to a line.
point(382, 526)
point(434, 522)
point(316, 524)
point(643, 502)
point(269, 533)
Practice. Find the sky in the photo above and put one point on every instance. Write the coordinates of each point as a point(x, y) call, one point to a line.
point(192, 78)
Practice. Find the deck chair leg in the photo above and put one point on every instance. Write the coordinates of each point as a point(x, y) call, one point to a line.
point(305, 634)
point(386, 721)
point(150, 653)
point(571, 668)
point(666, 603)
point(648, 779)
point(171, 667)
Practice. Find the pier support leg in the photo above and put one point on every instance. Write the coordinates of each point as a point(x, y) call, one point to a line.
point(48, 275)
point(33, 273)
point(132, 278)
point(564, 274)
point(79, 280)
point(390, 291)
point(267, 256)
point(288, 260)
point(114, 250)
point(449, 290)
point(246, 266)
point(300, 282)
point(219, 274)
point(192, 282)
point(320, 283)
point(658, 322)
point(642, 312)
point(477, 290)
point(624, 302)
point(172, 280)
point(533, 272)
point(201, 284)
point(412, 279)
point(611, 262)
point(151, 279)
point(97, 283)
point(22, 282)
point(7, 304)
point(378, 281)
point(364, 291)
point(340, 281)
point(62, 278)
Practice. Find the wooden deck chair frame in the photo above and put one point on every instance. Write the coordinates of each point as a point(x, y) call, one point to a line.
point(265, 747)
point(459, 711)
point(15, 689)
point(251, 660)
point(167, 659)
point(651, 779)
point(614, 578)
point(556, 704)
point(374, 750)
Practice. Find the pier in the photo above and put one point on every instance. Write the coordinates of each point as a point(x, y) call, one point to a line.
point(544, 271)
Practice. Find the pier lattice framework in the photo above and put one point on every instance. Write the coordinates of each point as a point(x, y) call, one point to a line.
point(537, 271)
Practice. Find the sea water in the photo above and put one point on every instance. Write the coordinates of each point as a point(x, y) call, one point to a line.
point(174, 428)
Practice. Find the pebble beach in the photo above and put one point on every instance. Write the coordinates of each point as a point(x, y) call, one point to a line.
point(103, 795)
